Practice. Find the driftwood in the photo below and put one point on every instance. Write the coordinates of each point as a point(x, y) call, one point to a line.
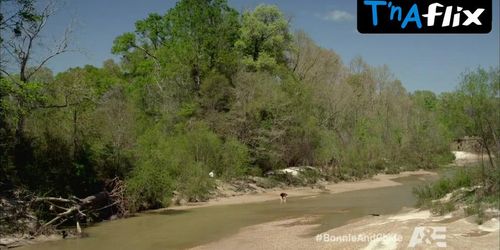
point(77, 209)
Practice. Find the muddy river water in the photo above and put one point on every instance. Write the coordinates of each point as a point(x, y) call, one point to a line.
point(174, 229)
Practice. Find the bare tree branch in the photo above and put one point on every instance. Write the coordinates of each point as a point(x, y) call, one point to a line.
point(26, 36)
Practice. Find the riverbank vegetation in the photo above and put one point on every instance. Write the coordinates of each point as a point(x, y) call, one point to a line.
point(472, 110)
point(463, 190)
point(203, 88)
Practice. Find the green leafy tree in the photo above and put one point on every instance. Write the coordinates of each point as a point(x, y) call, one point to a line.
point(196, 36)
point(21, 59)
point(479, 94)
point(264, 37)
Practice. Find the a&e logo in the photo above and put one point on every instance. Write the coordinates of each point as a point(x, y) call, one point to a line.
point(428, 236)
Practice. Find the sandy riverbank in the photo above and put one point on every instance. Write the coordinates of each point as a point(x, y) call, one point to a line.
point(378, 181)
point(461, 233)
point(381, 180)
point(296, 228)
point(463, 158)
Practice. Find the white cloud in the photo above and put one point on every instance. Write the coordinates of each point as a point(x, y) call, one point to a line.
point(338, 16)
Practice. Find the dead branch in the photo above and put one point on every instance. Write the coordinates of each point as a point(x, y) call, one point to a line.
point(77, 209)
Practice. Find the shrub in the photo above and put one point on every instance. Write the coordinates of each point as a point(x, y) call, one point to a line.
point(151, 183)
point(475, 202)
point(235, 158)
point(194, 184)
point(426, 193)
point(310, 176)
point(287, 178)
point(150, 187)
point(182, 163)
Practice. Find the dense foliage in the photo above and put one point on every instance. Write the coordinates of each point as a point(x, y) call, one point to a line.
point(203, 88)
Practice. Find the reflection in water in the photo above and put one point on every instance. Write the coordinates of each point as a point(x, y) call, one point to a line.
point(181, 229)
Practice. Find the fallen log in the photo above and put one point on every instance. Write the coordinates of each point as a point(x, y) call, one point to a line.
point(78, 209)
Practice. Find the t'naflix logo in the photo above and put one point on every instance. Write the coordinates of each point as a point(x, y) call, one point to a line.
point(424, 16)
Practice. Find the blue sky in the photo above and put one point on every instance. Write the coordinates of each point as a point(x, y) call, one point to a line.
point(431, 62)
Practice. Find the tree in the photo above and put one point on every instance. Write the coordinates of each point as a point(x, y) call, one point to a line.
point(196, 36)
point(22, 58)
point(115, 119)
point(479, 91)
point(311, 63)
point(264, 37)
point(21, 26)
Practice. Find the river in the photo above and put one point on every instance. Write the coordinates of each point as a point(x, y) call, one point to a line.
point(174, 229)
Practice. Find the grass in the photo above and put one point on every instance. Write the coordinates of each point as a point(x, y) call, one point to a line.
point(468, 191)
point(427, 193)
